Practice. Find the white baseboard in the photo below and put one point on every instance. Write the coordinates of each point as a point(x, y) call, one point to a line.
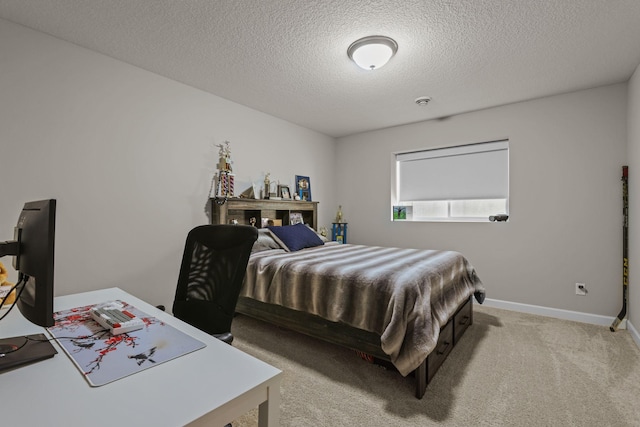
point(634, 333)
point(577, 316)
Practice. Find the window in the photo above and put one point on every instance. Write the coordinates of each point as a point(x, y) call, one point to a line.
point(461, 183)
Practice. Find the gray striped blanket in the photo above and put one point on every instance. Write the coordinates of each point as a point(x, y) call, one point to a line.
point(404, 295)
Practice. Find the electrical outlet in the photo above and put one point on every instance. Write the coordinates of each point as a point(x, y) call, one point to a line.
point(581, 289)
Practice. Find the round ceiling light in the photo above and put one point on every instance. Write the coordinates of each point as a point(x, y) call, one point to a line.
point(372, 52)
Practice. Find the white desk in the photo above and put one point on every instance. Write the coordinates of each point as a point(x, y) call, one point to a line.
point(211, 386)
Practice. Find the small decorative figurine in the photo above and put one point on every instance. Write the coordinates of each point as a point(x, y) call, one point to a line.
point(267, 185)
point(224, 164)
point(224, 178)
point(339, 214)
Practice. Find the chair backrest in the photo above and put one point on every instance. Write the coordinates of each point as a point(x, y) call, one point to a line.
point(211, 275)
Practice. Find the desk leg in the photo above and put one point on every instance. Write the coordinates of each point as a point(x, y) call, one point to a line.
point(269, 411)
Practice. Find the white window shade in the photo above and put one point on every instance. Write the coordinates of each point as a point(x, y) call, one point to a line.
point(476, 171)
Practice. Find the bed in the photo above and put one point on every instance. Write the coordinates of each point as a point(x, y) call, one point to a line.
point(408, 307)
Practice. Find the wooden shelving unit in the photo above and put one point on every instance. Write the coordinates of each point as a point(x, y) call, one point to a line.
point(242, 210)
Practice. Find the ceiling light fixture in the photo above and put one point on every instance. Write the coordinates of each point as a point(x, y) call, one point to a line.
point(372, 52)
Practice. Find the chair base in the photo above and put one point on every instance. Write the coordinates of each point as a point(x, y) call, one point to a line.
point(226, 337)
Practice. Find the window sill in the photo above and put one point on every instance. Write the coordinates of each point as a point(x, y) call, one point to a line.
point(445, 220)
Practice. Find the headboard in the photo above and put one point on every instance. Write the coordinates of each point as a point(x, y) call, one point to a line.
point(243, 210)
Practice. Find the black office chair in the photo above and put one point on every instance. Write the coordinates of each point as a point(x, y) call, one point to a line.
point(211, 275)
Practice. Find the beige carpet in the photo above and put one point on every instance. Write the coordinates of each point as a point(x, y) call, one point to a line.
point(509, 369)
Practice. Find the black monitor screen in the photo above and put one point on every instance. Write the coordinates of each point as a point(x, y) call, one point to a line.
point(33, 259)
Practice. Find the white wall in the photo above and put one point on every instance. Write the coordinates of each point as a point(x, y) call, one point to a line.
point(129, 156)
point(633, 126)
point(566, 154)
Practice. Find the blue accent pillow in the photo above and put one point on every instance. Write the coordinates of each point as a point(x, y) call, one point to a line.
point(295, 237)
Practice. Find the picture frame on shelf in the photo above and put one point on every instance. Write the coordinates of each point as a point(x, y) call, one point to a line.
point(402, 213)
point(303, 187)
point(274, 191)
point(295, 218)
point(257, 190)
point(305, 196)
point(284, 192)
point(399, 213)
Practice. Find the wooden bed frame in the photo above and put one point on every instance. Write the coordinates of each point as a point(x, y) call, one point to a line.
point(244, 210)
point(358, 339)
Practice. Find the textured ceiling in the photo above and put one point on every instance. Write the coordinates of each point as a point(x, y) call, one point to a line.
point(288, 58)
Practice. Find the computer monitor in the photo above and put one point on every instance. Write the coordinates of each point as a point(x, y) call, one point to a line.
point(33, 252)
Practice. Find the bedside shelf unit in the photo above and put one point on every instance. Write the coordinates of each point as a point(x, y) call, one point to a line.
point(339, 232)
point(242, 210)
